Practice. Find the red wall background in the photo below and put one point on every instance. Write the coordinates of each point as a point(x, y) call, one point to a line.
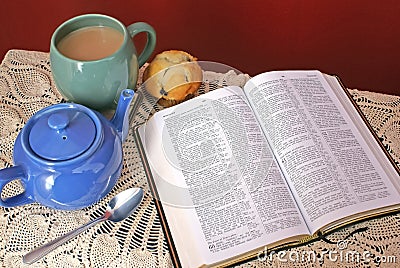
point(358, 40)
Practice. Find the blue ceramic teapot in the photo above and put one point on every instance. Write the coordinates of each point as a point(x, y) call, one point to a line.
point(68, 156)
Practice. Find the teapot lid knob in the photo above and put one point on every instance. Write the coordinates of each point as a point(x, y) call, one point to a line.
point(58, 121)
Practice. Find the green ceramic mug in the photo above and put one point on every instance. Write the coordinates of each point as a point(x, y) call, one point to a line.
point(97, 80)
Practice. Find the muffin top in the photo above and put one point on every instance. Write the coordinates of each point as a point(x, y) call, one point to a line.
point(173, 75)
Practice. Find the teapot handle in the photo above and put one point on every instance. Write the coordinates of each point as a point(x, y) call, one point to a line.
point(7, 175)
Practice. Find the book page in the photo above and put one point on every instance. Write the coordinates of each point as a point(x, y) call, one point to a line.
point(218, 181)
point(330, 168)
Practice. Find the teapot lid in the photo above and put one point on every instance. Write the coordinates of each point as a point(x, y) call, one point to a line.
point(62, 134)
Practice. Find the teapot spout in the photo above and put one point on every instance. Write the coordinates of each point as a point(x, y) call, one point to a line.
point(121, 117)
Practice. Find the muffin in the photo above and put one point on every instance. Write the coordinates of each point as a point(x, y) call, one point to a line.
point(172, 77)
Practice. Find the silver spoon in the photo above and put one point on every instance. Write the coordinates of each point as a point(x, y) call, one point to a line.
point(119, 208)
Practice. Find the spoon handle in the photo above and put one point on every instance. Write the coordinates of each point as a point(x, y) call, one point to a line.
point(42, 251)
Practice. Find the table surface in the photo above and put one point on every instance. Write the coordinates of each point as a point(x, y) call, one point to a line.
point(26, 86)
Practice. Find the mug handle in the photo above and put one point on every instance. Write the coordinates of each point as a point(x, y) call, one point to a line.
point(139, 27)
point(7, 175)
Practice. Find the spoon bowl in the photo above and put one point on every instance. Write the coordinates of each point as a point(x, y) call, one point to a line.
point(119, 208)
point(124, 204)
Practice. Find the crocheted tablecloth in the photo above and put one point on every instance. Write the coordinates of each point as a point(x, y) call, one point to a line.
point(26, 86)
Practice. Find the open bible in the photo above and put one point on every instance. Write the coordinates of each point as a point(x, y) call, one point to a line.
point(275, 163)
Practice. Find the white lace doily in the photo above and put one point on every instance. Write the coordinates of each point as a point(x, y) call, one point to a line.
point(26, 86)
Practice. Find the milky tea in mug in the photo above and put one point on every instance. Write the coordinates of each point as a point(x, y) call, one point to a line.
point(91, 43)
point(93, 58)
